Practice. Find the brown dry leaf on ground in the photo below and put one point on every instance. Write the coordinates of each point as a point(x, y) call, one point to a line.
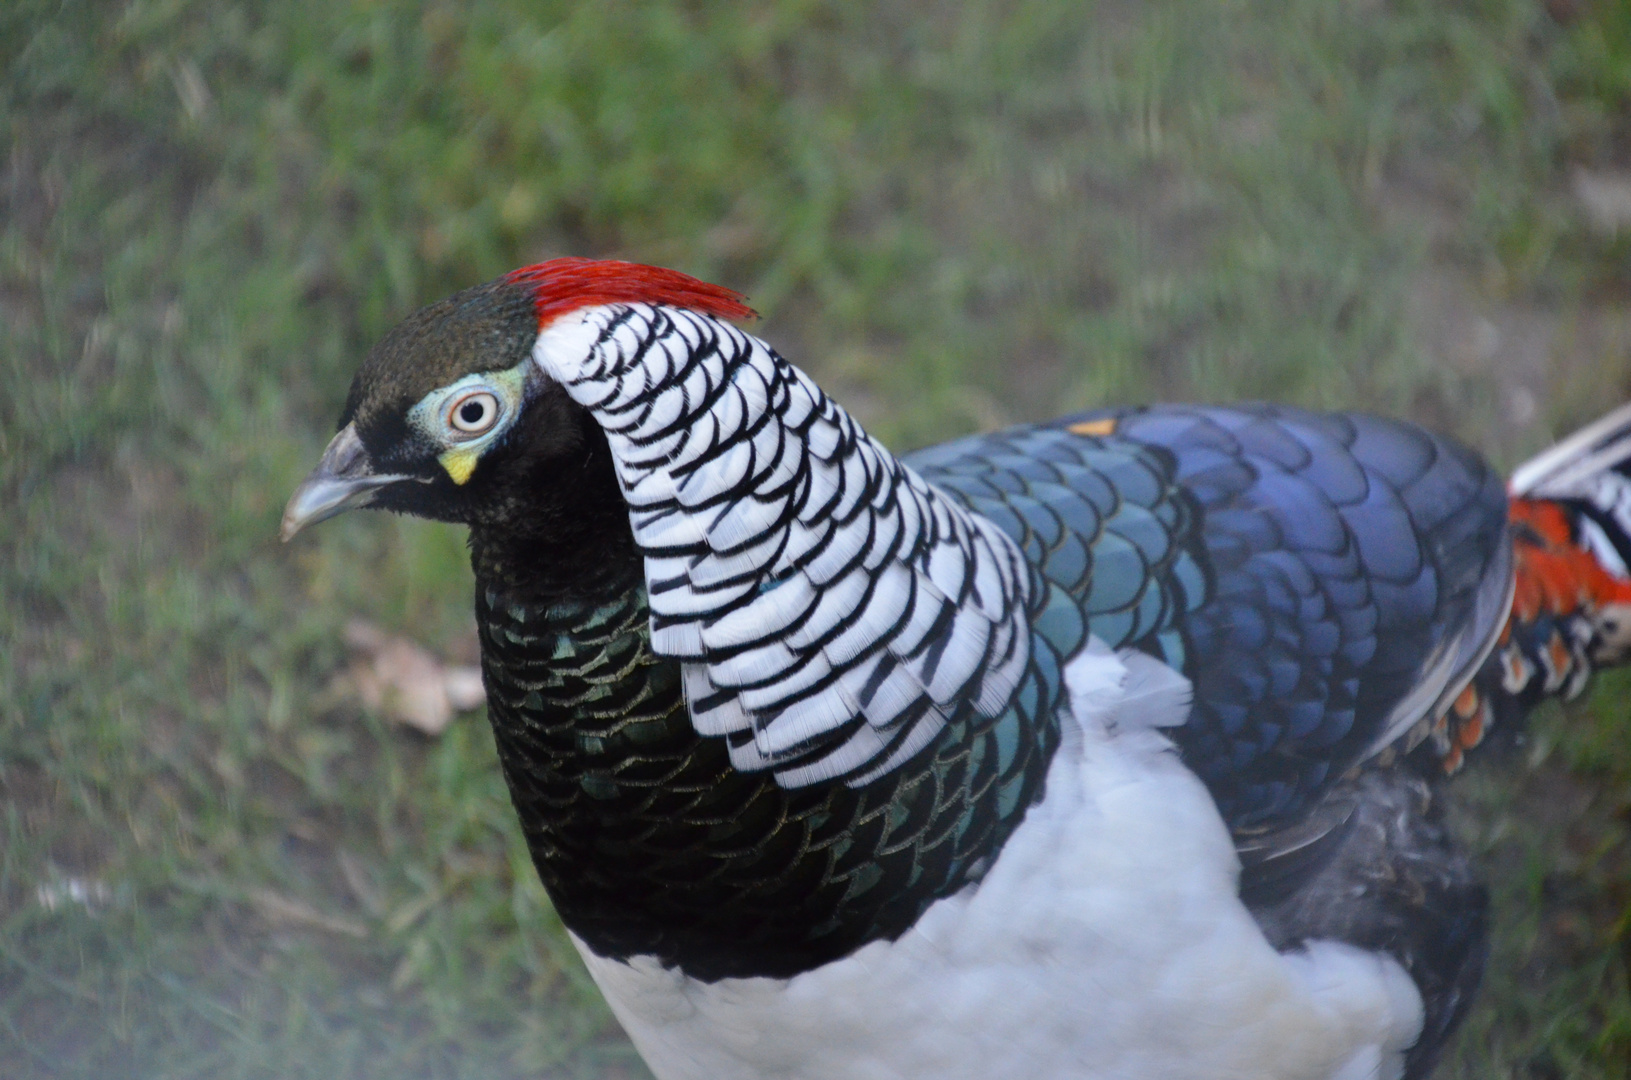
point(406, 682)
point(1606, 199)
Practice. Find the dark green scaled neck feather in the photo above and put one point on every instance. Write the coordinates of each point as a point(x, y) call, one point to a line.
point(649, 842)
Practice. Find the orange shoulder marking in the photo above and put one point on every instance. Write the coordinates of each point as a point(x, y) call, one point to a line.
point(1554, 575)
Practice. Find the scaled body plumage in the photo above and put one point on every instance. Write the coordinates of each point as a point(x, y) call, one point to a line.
point(1104, 747)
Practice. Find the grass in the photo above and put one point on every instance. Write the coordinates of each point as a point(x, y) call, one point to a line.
point(956, 215)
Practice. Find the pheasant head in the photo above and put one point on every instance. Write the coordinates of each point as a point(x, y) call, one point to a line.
point(453, 416)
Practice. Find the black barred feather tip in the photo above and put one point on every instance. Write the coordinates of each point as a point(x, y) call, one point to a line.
point(833, 612)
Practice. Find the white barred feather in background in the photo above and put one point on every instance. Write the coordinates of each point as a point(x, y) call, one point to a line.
point(832, 609)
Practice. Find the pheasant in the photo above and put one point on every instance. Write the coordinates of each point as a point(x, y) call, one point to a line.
point(1104, 747)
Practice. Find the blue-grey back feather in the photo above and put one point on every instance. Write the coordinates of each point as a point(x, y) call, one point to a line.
point(1321, 578)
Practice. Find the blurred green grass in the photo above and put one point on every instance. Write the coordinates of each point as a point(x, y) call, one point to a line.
point(956, 215)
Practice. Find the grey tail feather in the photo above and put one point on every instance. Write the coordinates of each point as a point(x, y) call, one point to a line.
point(1564, 470)
point(1589, 472)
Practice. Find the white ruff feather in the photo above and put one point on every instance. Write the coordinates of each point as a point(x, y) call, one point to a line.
point(1107, 940)
point(790, 557)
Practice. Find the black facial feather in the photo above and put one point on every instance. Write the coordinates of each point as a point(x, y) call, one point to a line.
point(546, 517)
point(486, 328)
point(545, 513)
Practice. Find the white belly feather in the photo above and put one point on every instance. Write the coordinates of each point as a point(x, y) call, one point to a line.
point(1107, 940)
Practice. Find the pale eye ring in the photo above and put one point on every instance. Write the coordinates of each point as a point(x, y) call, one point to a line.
point(474, 413)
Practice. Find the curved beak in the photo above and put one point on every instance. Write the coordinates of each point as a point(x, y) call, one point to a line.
point(344, 479)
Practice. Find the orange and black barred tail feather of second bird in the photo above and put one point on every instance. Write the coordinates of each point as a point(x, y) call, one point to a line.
point(1570, 510)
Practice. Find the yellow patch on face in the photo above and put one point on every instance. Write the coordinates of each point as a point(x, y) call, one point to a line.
point(1100, 428)
point(460, 462)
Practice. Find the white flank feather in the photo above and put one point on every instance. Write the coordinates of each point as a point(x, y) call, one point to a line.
point(843, 550)
point(724, 717)
point(927, 605)
point(922, 733)
point(652, 490)
point(1002, 674)
point(792, 687)
point(1107, 939)
point(770, 614)
point(747, 757)
point(873, 623)
point(886, 540)
point(751, 666)
point(753, 560)
point(835, 603)
point(947, 571)
point(727, 472)
point(853, 753)
point(666, 530)
point(706, 434)
point(898, 691)
point(801, 540)
point(664, 412)
point(959, 657)
point(783, 467)
point(744, 521)
point(680, 639)
point(796, 727)
point(698, 603)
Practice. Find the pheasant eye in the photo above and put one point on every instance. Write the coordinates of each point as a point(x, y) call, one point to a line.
point(474, 413)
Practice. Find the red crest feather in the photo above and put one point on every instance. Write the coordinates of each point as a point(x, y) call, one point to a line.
point(566, 284)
